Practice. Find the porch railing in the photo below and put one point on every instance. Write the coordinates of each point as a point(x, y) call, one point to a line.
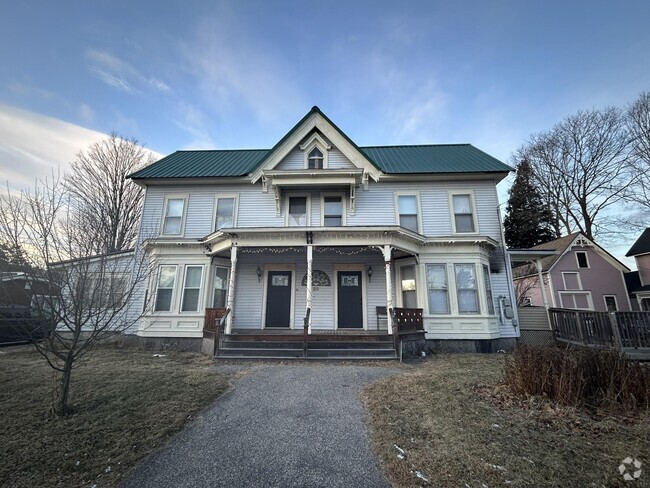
point(405, 321)
point(609, 330)
point(305, 333)
point(214, 323)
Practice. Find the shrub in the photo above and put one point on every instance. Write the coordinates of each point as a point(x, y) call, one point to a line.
point(579, 377)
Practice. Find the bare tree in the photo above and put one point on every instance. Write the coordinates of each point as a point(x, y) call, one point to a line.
point(581, 168)
point(102, 196)
point(638, 122)
point(86, 299)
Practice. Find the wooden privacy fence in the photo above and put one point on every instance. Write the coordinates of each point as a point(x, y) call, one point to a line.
point(627, 332)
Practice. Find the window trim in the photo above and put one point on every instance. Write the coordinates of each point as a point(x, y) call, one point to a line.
point(184, 288)
point(564, 273)
point(472, 201)
point(449, 303)
point(485, 273)
point(343, 207)
point(307, 208)
point(213, 288)
point(235, 208)
point(586, 259)
point(174, 288)
point(186, 198)
point(418, 209)
point(605, 297)
point(476, 289)
point(315, 141)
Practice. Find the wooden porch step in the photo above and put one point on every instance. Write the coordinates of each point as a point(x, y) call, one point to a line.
point(289, 345)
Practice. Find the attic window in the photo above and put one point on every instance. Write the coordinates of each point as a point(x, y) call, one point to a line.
point(315, 159)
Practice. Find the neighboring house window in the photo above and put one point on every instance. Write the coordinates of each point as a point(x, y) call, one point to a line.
point(220, 287)
point(332, 211)
point(610, 303)
point(409, 296)
point(297, 211)
point(408, 211)
point(463, 213)
point(165, 289)
point(571, 280)
point(191, 288)
point(437, 288)
point(581, 256)
point(580, 300)
point(315, 159)
point(225, 217)
point(173, 219)
point(466, 289)
point(488, 289)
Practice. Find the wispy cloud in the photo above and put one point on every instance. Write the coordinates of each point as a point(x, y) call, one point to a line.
point(120, 74)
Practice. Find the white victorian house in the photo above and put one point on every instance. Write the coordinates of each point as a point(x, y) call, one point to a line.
point(319, 227)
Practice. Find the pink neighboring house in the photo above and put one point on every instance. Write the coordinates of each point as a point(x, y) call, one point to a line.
point(582, 275)
point(638, 282)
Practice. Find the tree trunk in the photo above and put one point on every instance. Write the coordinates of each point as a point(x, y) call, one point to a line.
point(64, 389)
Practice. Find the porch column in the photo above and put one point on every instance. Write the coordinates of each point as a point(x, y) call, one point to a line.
point(387, 250)
point(538, 264)
point(231, 288)
point(310, 258)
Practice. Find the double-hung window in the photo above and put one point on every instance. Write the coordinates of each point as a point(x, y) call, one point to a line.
point(173, 218)
point(225, 213)
point(488, 289)
point(409, 293)
point(466, 289)
point(165, 288)
point(332, 211)
point(437, 288)
point(408, 211)
point(463, 209)
point(315, 159)
point(191, 288)
point(220, 287)
point(297, 215)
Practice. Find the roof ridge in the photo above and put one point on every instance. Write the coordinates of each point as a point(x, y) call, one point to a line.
point(218, 150)
point(417, 145)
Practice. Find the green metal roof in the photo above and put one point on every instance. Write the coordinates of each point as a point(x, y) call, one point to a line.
point(421, 159)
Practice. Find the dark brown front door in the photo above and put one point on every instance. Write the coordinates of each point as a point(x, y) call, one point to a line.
point(278, 299)
point(350, 300)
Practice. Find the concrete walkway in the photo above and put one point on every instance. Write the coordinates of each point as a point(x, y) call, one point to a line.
point(291, 425)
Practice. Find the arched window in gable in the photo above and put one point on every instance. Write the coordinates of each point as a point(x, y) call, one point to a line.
point(315, 159)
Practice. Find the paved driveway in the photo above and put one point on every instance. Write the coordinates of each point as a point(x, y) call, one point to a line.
point(280, 426)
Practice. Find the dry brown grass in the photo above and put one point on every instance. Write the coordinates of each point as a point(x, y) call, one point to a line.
point(457, 434)
point(126, 404)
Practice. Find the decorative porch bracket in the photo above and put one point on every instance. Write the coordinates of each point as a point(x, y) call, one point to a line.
point(231, 288)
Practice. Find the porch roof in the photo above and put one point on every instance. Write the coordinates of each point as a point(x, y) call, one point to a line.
point(395, 236)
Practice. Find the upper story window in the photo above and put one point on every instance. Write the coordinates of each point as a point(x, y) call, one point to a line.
point(315, 159)
point(571, 280)
point(297, 212)
point(333, 211)
point(581, 257)
point(464, 218)
point(225, 212)
point(407, 207)
point(173, 216)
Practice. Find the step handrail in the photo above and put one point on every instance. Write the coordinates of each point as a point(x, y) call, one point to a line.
point(305, 333)
point(219, 332)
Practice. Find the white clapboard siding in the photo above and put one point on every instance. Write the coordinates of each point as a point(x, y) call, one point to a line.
point(376, 206)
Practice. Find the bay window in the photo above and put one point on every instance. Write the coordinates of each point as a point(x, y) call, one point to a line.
point(437, 288)
point(466, 290)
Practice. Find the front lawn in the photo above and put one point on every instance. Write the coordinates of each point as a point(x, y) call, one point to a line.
point(455, 433)
point(126, 404)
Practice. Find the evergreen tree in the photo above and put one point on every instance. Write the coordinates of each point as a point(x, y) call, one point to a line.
point(529, 220)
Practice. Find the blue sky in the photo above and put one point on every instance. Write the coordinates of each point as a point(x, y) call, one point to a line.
point(239, 74)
